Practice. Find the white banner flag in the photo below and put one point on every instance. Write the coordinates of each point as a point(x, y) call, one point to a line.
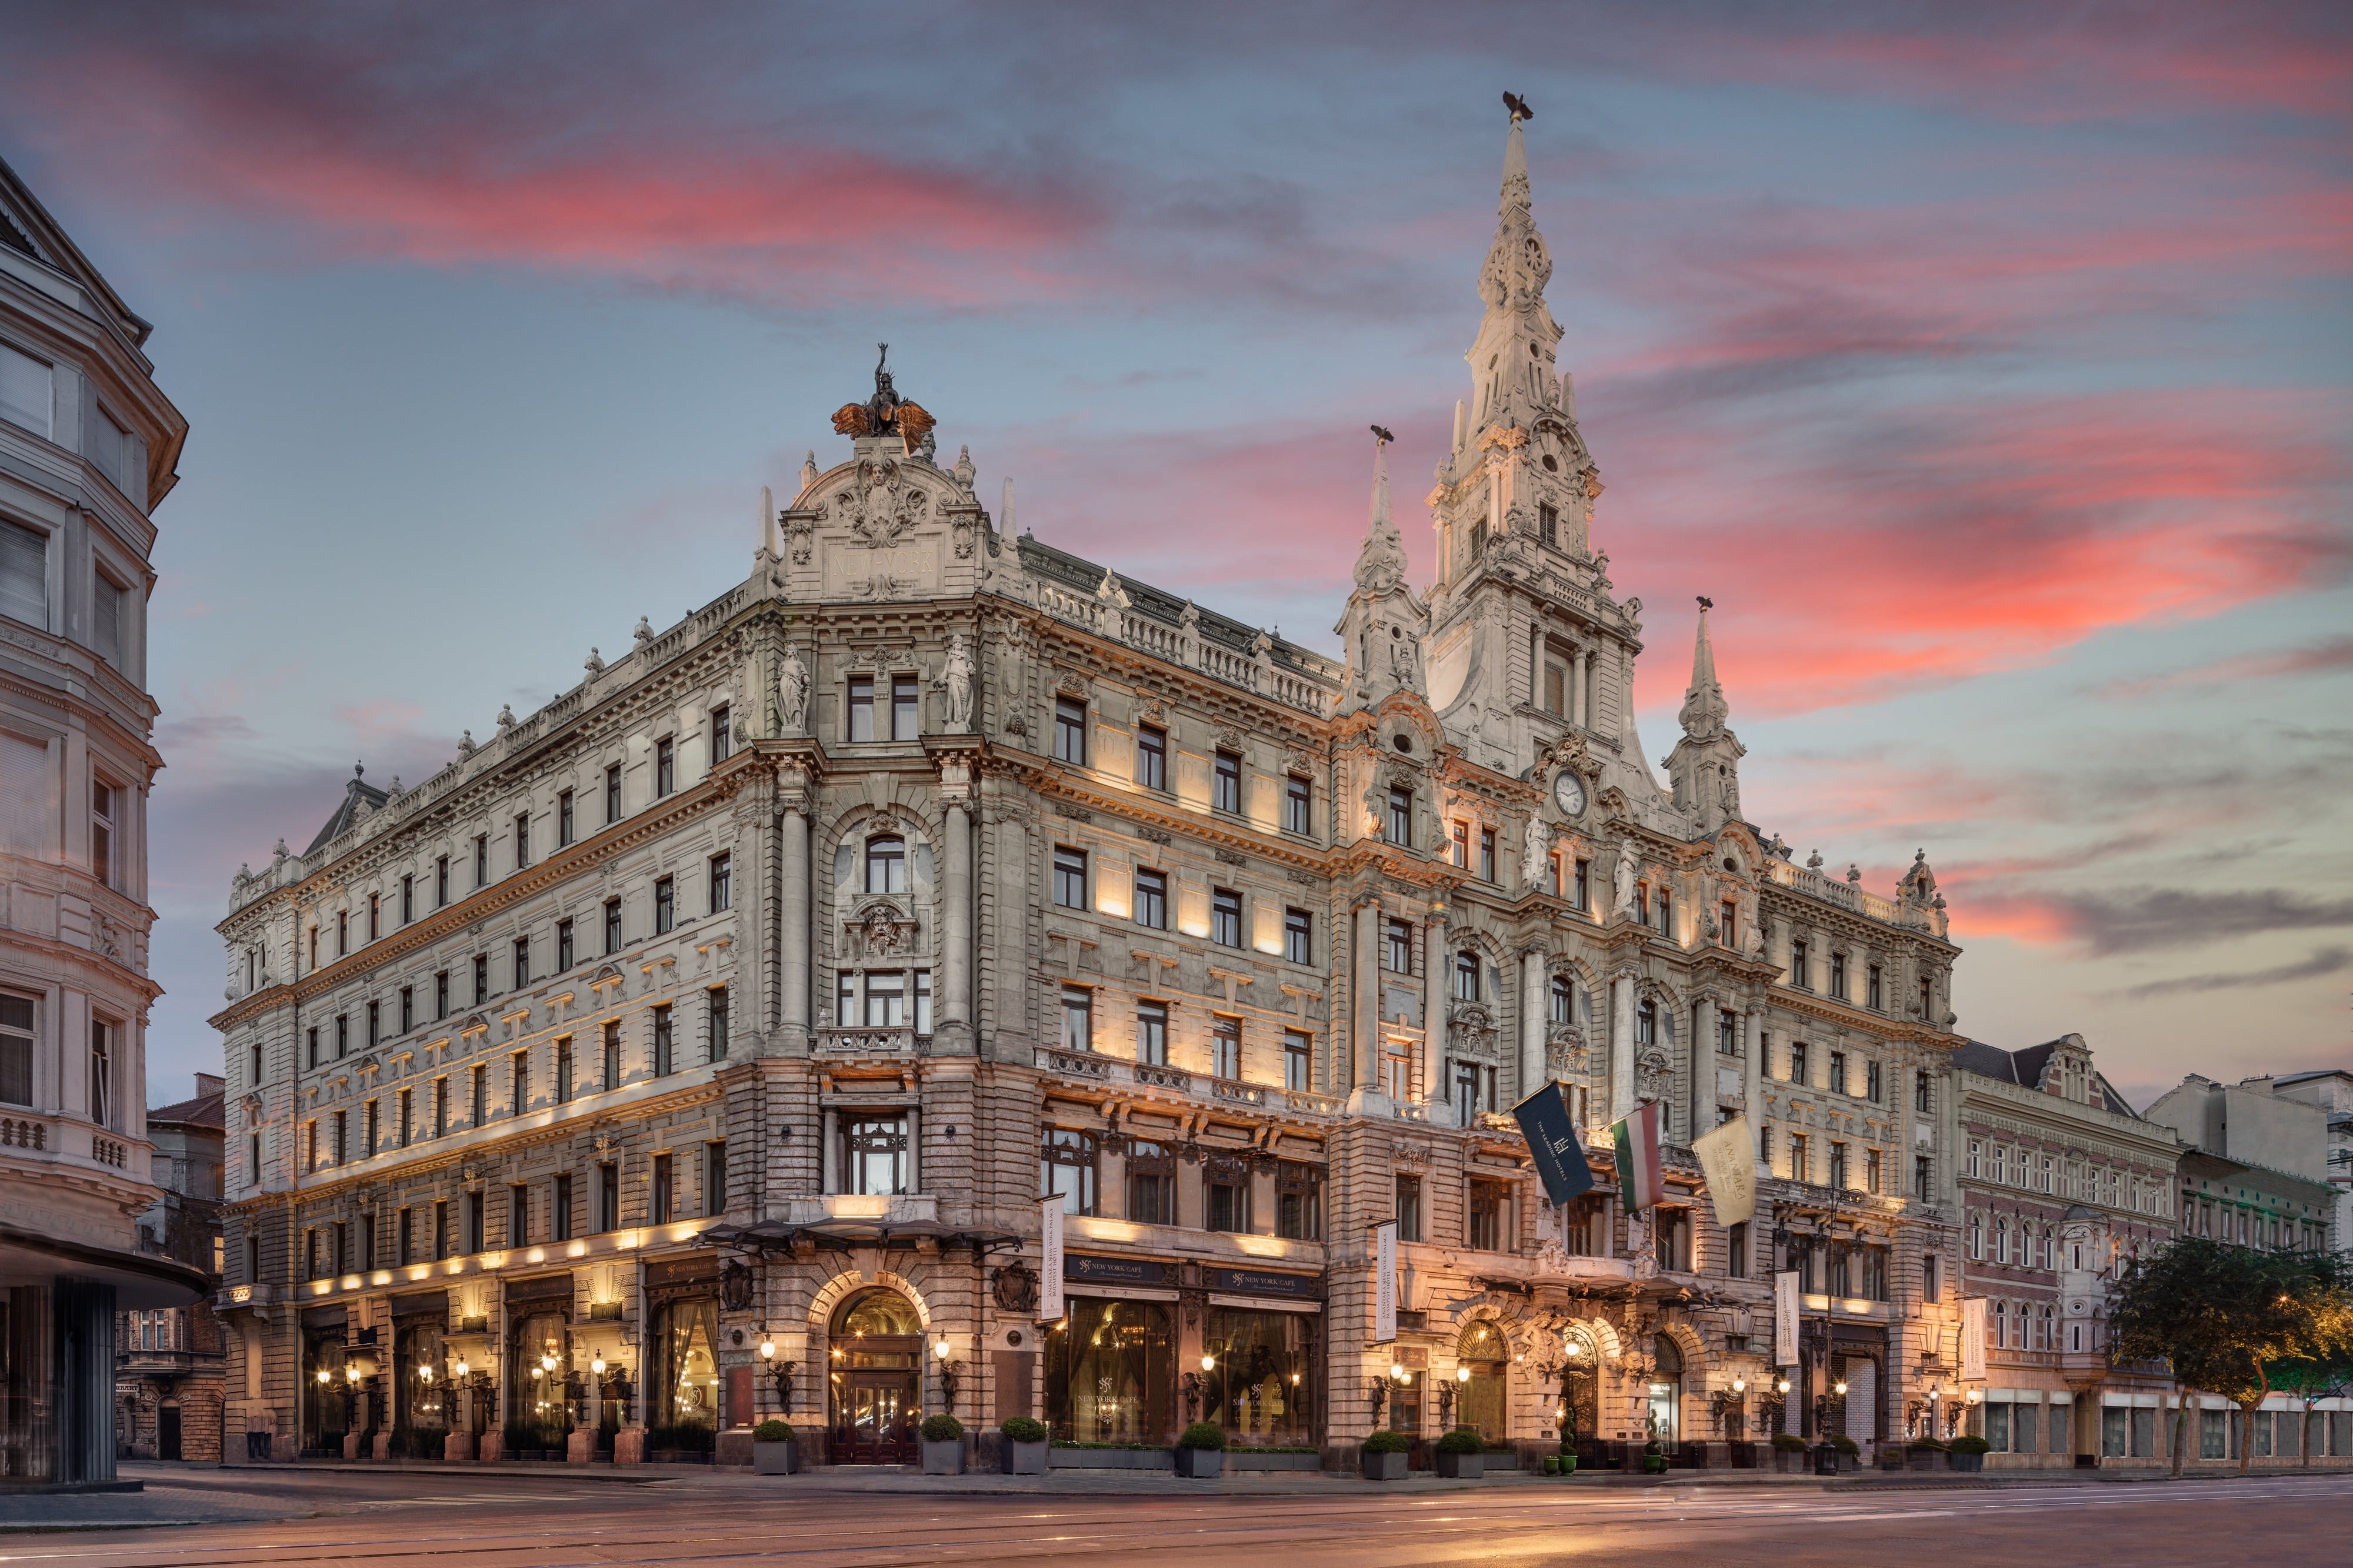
point(1973, 1317)
point(1384, 1269)
point(1784, 1319)
point(1050, 1288)
point(1727, 1158)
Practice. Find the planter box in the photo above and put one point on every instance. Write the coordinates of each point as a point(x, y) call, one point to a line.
point(1023, 1459)
point(580, 1447)
point(1791, 1462)
point(457, 1447)
point(1112, 1459)
point(1968, 1462)
point(775, 1459)
point(733, 1446)
point(1244, 1459)
point(1384, 1467)
point(1201, 1464)
point(943, 1458)
point(1461, 1466)
point(629, 1445)
point(490, 1447)
point(1925, 1458)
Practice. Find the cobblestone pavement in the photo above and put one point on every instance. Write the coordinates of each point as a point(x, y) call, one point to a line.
point(552, 1520)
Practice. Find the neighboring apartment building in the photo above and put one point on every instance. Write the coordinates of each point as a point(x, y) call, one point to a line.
point(2332, 1090)
point(2060, 1180)
point(89, 446)
point(758, 990)
point(168, 1377)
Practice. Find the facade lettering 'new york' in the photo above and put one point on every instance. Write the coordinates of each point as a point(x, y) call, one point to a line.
point(700, 1047)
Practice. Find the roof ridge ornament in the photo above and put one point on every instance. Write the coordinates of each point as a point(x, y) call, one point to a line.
point(886, 413)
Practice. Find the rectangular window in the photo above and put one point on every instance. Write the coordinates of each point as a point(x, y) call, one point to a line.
point(1802, 1165)
point(1483, 1227)
point(1466, 977)
point(1798, 971)
point(715, 1177)
point(1152, 758)
point(905, 718)
point(1838, 1072)
point(311, 1039)
point(1459, 845)
point(1870, 987)
point(1226, 1048)
point(608, 1198)
point(1486, 854)
point(24, 554)
point(717, 998)
point(342, 1035)
point(1922, 1175)
point(375, 916)
point(1799, 1073)
point(1646, 1022)
point(663, 1195)
point(923, 1002)
point(1871, 1170)
point(519, 1083)
point(723, 735)
point(440, 995)
point(1298, 1201)
point(404, 1239)
point(1871, 1081)
point(480, 1103)
point(343, 932)
point(481, 859)
point(1078, 1018)
point(521, 961)
point(563, 1074)
point(563, 819)
point(665, 767)
point(662, 1064)
point(1838, 975)
point(1407, 1210)
point(1152, 1032)
point(1066, 1169)
point(1069, 731)
point(1069, 878)
point(407, 899)
point(1838, 1166)
point(1226, 788)
point(565, 957)
point(1225, 917)
point(1400, 829)
point(28, 400)
point(612, 793)
point(722, 883)
point(1582, 895)
point(102, 798)
point(612, 925)
point(559, 1208)
point(407, 1130)
point(665, 905)
point(440, 1106)
point(1298, 1061)
point(1226, 1197)
point(1548, 524)
point(1298, 806)
point(1555, 690)
point(1735, 1252)
point(1466, 1093)
point(874, 1153)
point(376, 1024)
point(1151, 1184)
point(1396, 952)
point(481, 978)
point(1152, 899)
point(441, 882)
point(518, 1215)
point(476, 1241)
point(522, 839)
point(1671, 1236)
point(1298, 936)
point(440, 1230)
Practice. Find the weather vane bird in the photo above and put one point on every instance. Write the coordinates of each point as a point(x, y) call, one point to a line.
point(1705, 602)
point(1518, 106)
point(1380, 434)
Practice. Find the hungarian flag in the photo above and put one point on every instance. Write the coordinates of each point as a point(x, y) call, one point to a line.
point(1637, 1141)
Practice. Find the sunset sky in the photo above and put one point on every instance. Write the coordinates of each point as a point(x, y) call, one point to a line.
point(1989, 372)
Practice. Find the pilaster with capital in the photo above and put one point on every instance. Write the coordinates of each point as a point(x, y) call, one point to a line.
point(1752, 1079)
point(793, 912)
point(1622, 985)
point(956, 908)
point(1532, 1019)
point(1433, 1010)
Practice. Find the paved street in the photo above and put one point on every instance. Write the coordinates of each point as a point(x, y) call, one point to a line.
point(388, 1520)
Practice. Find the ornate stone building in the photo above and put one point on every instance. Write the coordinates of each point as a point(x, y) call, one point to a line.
point(89, 446)
point(703, 1045)
point(167, 1369)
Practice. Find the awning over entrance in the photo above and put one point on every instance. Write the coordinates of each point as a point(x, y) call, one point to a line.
point(775, 1236)
point(141, 1283)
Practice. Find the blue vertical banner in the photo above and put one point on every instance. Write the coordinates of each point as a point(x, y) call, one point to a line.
point(1552, 1138)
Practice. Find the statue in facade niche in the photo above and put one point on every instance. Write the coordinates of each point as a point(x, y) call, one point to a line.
point(1535, 853)
point(1623, 884)
point(792, 693)
point(958, 678)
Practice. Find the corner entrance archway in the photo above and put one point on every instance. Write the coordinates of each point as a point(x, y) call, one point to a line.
point(875, 1356)
point(1486, 1355)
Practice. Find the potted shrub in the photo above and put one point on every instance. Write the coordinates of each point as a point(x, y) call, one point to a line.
point(1461, 1455)
point(1968, 1453)
point(1925, 1454)
point(943, 1446)
point(776, 1448)
point(1025, 1445)
point(1788, 1453)
point(1384, 1456)
point(1850, 1453)
point(1568, 1461)
point(1201, 1451)
point(1654, 1459)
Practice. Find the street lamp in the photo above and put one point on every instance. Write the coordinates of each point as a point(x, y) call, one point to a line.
point(948, 1369)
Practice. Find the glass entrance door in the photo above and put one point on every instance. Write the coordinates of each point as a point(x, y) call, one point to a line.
point(875, 1418)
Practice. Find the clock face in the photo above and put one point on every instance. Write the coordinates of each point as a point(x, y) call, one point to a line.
point(1568, 790)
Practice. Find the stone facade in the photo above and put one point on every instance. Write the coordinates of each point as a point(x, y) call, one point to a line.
point(700, 1047)
point(168, 1388)
point(89, 446)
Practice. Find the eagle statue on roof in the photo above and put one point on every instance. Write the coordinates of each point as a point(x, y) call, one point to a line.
point(886, 413)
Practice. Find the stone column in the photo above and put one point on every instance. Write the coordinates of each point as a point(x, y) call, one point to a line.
point(1532, 1020)
point(1434, 1088)
point(956, 1019)
point(1751, 1080)
point(1622, 1045)
point(1576, 703)
point(793, 926)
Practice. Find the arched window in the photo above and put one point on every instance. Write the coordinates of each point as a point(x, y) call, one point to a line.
point(1466, 977)
point(1997, 1327)
point(1977, 1235)
point(2001, 1238)
point(886, 864)
point(878, 1311)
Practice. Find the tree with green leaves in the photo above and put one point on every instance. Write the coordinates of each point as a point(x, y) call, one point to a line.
point(2312, 1379)
point(2230, 1320)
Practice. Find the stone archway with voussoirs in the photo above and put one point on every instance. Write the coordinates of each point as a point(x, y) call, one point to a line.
point(828, 1296)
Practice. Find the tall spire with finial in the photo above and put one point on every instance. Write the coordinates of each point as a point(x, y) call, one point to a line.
point(1704, 709)
point(1511, 374)
point(1383, 625)
point(1380, 564)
